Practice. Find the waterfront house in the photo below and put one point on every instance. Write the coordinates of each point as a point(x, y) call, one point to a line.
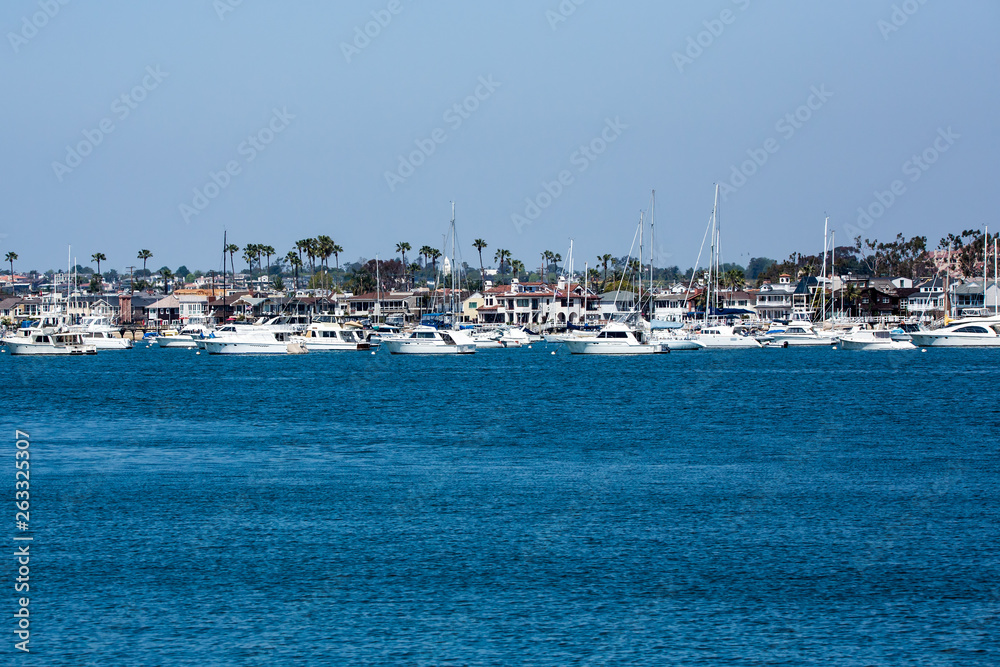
point(774, 302)
point(163, 311)
point(968, 298)
point(926, 301)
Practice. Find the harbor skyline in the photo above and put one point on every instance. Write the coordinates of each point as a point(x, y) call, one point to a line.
point(555, 123)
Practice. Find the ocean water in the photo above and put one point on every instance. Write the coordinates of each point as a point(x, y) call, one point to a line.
point(758, 507)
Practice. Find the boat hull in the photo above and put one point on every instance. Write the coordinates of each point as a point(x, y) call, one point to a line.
point(591, 346)
point(109, 343)
point(222, 346)
point(406, 346)
point(727, 342)
point(21, 348)
point(177, 342)
point(930, 339)
point(848, 344)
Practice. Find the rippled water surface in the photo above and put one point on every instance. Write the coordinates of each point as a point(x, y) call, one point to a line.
point(779, 507)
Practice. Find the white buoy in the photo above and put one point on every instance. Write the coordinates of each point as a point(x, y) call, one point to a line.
point(373, 351)
point(923, 349)
point(553, 351)
point(198, 352)
point(529, 347)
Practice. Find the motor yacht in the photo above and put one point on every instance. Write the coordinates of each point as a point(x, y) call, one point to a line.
point(97, 331)
point(428, 340)
point(966, 332)
point(48, 340)
point(616, 338)
point(873, 339)
point(326, 332)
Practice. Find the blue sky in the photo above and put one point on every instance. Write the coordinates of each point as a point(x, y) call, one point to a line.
point(333, 114)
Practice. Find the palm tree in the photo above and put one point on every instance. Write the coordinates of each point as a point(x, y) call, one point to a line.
point(336, 250)
point(546, 262)
point(232, 249)
point(517, 266)
point(425, 253)
point(312, 246)
point(324, 248)
point(479, 245)
point(301, 245)
point(851, 296)
point(434, 254)
point(295, 263)
point(144, 255)
point(10, 257)
point(250, 254)
point(98, 257)
point(268, 251)
point(165, 272)
point(733, 279)
point(402, 247)
point(501, 256)
point(604, 259)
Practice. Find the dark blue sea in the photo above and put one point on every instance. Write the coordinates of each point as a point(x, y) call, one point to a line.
point(515, 507)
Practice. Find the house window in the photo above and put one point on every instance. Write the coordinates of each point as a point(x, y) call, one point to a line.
point(522, 303)
point(473, 304)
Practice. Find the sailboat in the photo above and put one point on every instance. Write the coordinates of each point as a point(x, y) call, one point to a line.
point(718, 336)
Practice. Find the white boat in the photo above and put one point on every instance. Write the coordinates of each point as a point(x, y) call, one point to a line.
point(509, 337)
point(46, 340)
point(487, 340)
point(724, 337)
point(325, 332)
point(615, 338)
point(799, 333)
point(966, 332)
point(97, 331)
point(677, 341)
point(186, 338)
point(515, 337)
point(428, 340)
point(275, 336)
point(873, 339)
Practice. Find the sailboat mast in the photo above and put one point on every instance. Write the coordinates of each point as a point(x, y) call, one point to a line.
point(833, 255)
point(378, 290)
point(639, 272)
point(996, 302)
point(712, 256)
point(454, 269)
point(225, 245)
point(826, 238)
point(986, 260)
